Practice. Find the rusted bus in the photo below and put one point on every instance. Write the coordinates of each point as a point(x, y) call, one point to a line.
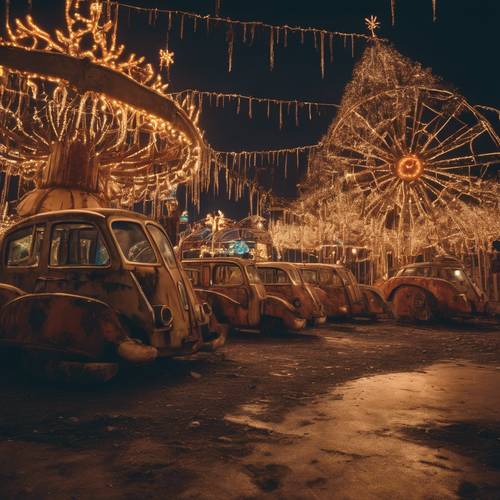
point(428, 290)
point(233, 288)
point(114, 266)
point(340, 293)
point(283, 280)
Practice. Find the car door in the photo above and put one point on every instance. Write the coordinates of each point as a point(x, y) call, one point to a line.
point(277, 282)
point(228, 278)
point(353, 291)
point(333, 285)
point(173, 270)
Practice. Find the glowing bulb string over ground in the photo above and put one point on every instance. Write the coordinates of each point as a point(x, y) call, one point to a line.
point(322, 39)
point(283, 107)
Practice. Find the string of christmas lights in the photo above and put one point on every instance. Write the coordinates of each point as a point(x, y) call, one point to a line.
point(322, 39)
point(393, 11)
point(282, 107)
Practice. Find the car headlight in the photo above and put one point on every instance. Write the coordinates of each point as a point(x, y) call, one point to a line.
point(166, 316)
point(163, 316)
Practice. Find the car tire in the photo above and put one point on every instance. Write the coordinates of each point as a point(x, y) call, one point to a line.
point(413, 304)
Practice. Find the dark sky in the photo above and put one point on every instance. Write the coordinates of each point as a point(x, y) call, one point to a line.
point(461, 47)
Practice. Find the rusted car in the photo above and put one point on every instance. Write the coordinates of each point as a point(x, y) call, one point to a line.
point(284, 281)
point(233, 288)
point(89, 288)
point(341, 294)
point(429, 290)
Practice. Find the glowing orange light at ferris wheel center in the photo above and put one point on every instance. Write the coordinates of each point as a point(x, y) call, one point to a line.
point(409, 168)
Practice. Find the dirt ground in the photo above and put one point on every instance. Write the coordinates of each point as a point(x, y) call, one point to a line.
point(348, 410)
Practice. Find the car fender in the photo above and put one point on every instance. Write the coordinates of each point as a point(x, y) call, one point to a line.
point(9, 292)
point(278, 307)
point(375, 301)
point(413, 285)
point(72, 326)
point(225, 308)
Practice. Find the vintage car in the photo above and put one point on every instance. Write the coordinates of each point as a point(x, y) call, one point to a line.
point(90, 288)
point(428, 290)
point(283, 280)
point(232, 287)
point(341, 294)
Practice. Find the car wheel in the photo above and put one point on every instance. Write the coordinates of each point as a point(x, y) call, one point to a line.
point(413, 304)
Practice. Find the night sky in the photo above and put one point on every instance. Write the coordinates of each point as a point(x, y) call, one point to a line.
point(461, 47)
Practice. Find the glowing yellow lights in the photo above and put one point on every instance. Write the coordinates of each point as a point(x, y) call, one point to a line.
point(166, 58)
point(372, 24)
point(409, 168)
point(138, 153)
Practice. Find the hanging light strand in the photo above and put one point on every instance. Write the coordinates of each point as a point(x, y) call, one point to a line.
point(247, 30)
point(199, 98)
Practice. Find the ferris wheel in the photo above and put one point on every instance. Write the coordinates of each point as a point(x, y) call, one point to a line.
point(411, 150)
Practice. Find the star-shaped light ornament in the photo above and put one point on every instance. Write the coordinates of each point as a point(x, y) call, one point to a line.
point(166, 58)
point(372, 24)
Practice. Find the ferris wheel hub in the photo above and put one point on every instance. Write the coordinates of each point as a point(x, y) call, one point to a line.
point(409, 168)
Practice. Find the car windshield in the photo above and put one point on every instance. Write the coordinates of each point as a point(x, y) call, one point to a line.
point(133, 242)
point(163, 245)
point(253, 275)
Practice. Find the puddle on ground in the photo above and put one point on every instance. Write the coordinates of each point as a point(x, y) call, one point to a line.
point(378, 437)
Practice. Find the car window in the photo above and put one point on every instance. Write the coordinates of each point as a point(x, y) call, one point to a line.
point(253, 275)
point(194, 276)
point(329, 277)
point(227, 274)
point(133, 242)
point(163, 244)
point(454, 275)
point(264, 274)
point(23, 246)
point(274, 275)
point(409, 271)
point(417, 271)
point(77, 244)
point(310, 276)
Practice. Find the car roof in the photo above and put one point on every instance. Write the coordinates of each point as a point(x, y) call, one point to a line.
point(439, 263)
point(234, 260)
point(319, 265)
point(96, 213)
point(283, 265)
